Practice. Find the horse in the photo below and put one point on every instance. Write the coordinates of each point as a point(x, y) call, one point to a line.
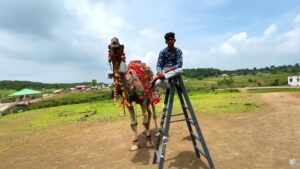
point(134, 83)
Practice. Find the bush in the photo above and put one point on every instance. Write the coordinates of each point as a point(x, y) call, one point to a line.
point(225, 82)
point(275, 83)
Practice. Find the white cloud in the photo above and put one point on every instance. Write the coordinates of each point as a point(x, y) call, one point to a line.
point(241, 51)
point(148, 33)
point(8, 43)
point(238, 37)
point(227, 49)
point(297, 20)
point(95, 19)
point(290, 41)
point(270, 30)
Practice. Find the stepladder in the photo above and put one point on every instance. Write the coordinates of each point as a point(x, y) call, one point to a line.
point(197, 138)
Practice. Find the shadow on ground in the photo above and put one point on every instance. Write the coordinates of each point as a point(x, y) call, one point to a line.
point(187, 160)
point(144, 154)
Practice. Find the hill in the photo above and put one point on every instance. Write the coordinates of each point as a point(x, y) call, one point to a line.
point(18, 85)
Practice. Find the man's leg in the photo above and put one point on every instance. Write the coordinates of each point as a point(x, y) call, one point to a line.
point(173, 73)
point(162, 84)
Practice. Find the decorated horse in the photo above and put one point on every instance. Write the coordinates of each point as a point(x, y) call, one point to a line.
point(133, 82)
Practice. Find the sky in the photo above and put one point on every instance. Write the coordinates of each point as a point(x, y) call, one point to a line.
point(65, 41)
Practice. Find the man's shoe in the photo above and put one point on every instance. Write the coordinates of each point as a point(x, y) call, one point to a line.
point(134, 146)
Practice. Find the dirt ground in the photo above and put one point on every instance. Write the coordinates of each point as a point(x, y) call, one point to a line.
point(258, 140)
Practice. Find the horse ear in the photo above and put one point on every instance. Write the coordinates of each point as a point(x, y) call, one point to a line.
point(122, 48)
point(109, 48)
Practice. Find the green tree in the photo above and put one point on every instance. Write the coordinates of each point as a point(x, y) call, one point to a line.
point(94, 82)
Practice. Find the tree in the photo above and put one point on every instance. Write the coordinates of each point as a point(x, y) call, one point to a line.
point(94, 82)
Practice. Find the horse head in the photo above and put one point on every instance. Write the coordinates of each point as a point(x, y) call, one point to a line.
point(116, 55)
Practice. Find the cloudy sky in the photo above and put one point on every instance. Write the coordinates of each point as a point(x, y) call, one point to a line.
point(66, 40)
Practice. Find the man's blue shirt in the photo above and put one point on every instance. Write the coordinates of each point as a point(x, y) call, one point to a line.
point(169, 58)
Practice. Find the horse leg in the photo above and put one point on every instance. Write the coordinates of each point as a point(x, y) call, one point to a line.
point(146, 122)
point(154, 115)
point(134, 145)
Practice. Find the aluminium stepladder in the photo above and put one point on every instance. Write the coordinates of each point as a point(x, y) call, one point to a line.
point(176, 84)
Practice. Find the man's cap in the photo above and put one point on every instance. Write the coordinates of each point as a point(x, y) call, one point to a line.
point(169, 34)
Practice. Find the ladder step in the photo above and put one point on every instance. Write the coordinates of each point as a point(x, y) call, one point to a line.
point(186, 107)
point(195, 136)
point(177, 120)
point(191, 121)
point(200, 151)
point(157, 156)
point(177, 114)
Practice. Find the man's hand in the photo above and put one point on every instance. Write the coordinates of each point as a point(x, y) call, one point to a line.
point(168, 69)
point(156, 77)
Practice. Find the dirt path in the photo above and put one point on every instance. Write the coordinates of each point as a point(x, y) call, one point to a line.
point(258, 140)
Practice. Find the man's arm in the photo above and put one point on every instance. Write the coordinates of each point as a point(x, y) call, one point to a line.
point(159, 66)
point(178, 60)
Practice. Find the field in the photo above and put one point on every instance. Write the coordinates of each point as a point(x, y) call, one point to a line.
point(238, 81)
point(106, 110)
point(246, 138)
point(84, 130)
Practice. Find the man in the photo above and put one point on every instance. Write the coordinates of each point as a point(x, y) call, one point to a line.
point(169, 61)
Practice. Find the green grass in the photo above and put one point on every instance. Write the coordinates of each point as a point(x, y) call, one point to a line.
point(46, 117)
point(222, 102)
point(105, 110)
point(71, 98)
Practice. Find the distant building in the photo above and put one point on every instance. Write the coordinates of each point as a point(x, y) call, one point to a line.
point(294, 80)
point(81, 87)
point(95, 87)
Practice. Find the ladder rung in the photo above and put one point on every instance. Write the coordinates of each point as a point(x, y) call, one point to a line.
point(186, 107)
point(195, 136)
point(157, 156)
point(178, 114)
point(191, 121)
point(177, 120)
point(200, 151)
